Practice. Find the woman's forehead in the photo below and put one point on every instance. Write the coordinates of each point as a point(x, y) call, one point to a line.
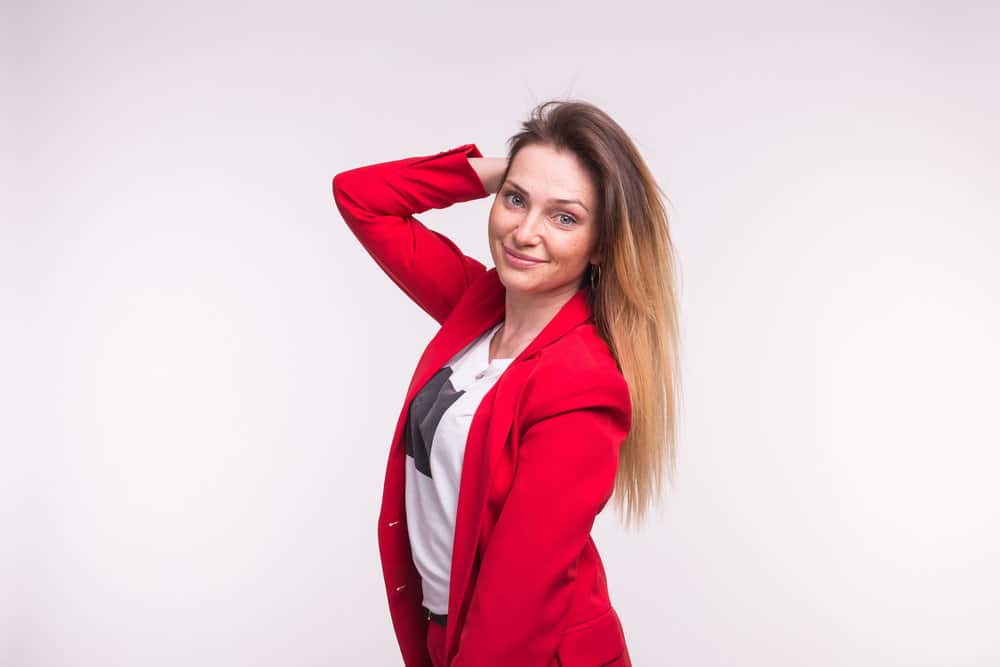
point(548, 175)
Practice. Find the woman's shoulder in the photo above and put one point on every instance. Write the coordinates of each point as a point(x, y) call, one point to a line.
point(581, 351)
point(577, 371)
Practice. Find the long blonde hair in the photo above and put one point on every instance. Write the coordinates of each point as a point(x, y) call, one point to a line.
point(633, 295)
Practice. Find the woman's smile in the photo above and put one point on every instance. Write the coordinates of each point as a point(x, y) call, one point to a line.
point(518, 261)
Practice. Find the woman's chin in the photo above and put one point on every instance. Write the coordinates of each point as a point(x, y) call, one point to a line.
point(521, 281)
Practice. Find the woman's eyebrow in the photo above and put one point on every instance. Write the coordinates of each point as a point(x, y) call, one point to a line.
point(558, 201)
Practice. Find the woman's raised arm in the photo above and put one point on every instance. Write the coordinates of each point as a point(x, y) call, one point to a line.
point(378, 201)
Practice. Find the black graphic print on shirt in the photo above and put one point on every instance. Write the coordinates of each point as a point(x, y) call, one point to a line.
point(426, 409)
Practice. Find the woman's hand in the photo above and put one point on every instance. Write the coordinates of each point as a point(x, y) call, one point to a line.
point(490, 171)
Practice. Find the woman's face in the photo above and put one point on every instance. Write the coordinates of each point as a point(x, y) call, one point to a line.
point(528, 218)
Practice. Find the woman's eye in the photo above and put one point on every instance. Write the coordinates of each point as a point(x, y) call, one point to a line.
point(565, 220)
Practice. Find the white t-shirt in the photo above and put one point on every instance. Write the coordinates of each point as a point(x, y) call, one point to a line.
point(436, 433)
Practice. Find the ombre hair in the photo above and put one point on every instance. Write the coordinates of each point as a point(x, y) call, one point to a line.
point(633, 294)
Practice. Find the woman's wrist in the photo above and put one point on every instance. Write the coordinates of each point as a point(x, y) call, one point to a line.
point(490, 171)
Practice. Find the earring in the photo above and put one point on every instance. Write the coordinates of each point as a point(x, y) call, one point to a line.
point(594, 269)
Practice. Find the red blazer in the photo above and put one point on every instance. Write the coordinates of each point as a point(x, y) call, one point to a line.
point(527, 585)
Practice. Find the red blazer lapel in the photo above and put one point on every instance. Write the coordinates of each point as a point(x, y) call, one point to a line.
point(481, 307)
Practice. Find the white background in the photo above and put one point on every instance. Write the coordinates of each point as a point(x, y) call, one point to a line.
point(200, 367)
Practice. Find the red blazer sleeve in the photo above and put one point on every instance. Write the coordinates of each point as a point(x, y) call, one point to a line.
point(566, 467)
point(378, 202)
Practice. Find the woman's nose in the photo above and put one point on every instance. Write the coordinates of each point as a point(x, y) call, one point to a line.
point(528, 229)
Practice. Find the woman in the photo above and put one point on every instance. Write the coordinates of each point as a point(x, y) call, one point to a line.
point(551, 383)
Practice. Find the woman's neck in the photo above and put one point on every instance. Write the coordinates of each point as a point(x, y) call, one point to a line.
point(524, 318)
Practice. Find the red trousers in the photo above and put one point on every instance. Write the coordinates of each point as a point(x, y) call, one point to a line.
point(435, 646)
point(435, 643)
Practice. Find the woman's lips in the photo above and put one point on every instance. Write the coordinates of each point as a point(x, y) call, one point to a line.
point(516, 261)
